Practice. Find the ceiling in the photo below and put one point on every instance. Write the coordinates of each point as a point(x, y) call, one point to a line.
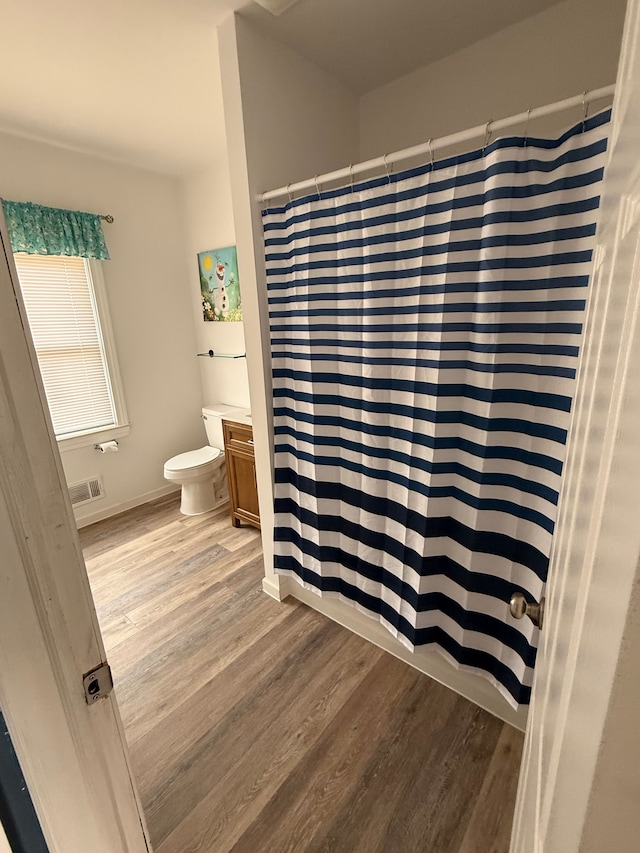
point(138, 80)
point(366, 43)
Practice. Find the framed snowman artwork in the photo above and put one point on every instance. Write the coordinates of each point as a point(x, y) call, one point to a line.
point(220, 285)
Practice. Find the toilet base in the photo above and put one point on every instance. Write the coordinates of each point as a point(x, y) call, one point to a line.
point(197, 498)
point(204, 495)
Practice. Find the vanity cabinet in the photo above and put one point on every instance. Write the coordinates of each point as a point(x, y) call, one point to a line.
point(241, 473)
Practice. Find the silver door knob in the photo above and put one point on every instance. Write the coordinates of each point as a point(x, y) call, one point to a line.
point(520, 607)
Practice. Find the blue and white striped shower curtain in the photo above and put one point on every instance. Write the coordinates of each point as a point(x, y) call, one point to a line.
point(425, 333)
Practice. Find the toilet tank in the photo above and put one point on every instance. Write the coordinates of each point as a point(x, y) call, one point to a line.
point(212, 417)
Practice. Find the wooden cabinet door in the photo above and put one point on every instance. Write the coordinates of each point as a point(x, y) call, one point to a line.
point(243, 488)
point(241, 473)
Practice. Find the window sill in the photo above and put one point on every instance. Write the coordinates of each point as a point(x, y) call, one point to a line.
point(86, 439)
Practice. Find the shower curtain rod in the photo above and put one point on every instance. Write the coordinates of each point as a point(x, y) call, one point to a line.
point(389, 160)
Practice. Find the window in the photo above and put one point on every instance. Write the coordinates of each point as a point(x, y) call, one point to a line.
point(68, 314)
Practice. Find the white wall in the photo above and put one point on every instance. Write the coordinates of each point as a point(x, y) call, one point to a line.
point(208, 224)
point(147, 291)
point(567, 49)
point(208, 220)
point(286, 119)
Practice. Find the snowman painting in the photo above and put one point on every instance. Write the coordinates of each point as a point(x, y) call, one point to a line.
point(221, 299)
point(220, 285)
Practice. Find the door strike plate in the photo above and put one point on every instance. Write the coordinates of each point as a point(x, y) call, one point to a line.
point(98, 683)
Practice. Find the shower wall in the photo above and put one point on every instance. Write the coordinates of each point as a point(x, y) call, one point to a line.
point(569, 48)
point(286, 119)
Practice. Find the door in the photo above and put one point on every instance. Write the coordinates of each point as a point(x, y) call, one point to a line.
point(241, 473)
point(73, 755)
point(597, 540)
point(242, 480)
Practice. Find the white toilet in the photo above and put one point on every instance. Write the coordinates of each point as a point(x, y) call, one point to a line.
point(202, 473)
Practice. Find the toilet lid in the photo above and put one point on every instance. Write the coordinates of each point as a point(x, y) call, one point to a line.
point(192, 459)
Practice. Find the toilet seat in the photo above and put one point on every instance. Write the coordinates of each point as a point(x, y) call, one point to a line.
point(192, 460)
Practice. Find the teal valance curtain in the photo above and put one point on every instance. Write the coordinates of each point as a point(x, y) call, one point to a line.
point(39, 230)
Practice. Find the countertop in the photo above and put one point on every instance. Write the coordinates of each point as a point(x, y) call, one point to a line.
point(239, 416)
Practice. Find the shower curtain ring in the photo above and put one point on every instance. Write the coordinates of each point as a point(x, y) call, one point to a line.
point(585, 110)
point(487, 134)
point(289, 193)
point(386, 168)
point(351, 173)
point(431, 153)
point(526, 128)
point(317, 187)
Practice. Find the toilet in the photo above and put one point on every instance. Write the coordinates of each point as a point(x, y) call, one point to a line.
point(202, 473)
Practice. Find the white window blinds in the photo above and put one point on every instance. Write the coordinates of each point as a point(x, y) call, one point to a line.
point(61, 307)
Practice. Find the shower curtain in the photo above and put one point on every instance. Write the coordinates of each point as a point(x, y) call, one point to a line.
point(425, 330)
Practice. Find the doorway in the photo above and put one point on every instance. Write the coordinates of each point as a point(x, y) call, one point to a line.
point(561, 801)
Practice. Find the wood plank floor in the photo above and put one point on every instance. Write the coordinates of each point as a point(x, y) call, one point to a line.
point(262, 727)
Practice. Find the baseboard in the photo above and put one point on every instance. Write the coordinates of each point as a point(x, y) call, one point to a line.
point(430, 662)
point(116, 509)
point(275, 587)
